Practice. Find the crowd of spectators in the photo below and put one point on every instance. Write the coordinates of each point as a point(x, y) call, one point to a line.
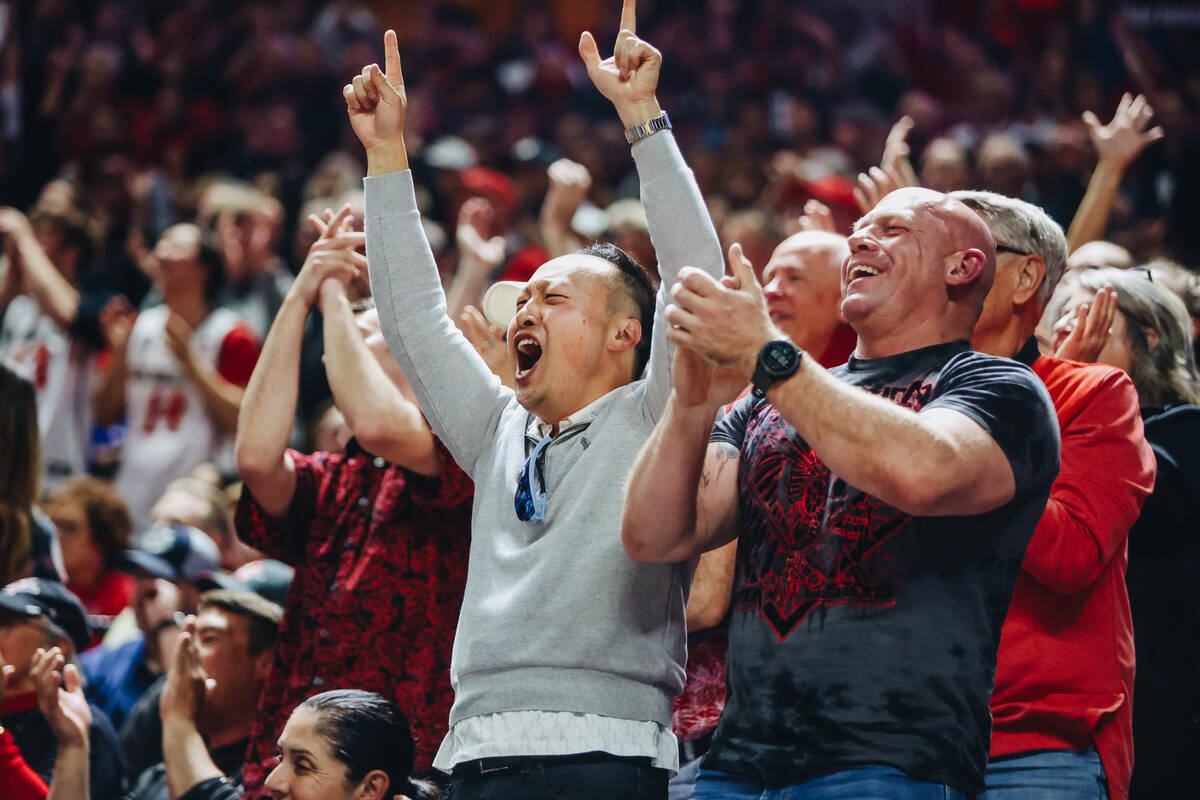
point(180, 190)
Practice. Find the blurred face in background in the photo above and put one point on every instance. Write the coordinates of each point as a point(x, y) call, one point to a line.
point(82, 557)
point(802, 285)
point(177, 255)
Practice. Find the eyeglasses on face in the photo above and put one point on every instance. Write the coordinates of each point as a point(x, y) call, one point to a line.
point(1003, 248)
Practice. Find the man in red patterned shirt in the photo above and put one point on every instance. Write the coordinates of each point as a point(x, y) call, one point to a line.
point(378, 536)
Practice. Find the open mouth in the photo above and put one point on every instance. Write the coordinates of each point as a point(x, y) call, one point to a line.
point(529, 352)
point(861, 271)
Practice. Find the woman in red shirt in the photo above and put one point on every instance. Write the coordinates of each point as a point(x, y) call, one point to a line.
point(93, 526)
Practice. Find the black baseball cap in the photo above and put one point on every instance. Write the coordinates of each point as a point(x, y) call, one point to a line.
point(266, 577)
point(50, 600)
point(173, 553)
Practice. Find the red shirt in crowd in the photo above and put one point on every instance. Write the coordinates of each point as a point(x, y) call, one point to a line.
point(1064, 673)
point(19, 780)
point(381, 564)
point(107, 598)
point(697, 709)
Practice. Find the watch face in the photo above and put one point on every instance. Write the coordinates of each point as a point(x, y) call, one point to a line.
point(779, 357)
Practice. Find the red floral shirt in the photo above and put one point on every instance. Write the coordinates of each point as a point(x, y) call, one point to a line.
point(698, 706)
point(381, 563)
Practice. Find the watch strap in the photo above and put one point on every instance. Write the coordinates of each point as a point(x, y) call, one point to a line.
point(765, 377)
point(651, 126)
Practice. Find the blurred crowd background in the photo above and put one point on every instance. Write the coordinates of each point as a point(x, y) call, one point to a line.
point(120, 120)
point(143, 106)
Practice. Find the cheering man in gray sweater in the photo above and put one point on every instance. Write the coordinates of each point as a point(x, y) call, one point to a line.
point(568, 653)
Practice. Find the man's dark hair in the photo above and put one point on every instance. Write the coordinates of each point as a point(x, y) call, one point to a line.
point(635, 281)
point(262, 616)
point(366, 733)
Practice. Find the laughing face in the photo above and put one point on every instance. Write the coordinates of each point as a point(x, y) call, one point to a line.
point(902, 256)
point(557, 340)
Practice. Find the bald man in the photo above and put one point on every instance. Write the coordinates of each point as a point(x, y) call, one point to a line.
point(802, 284)
point(881, 511)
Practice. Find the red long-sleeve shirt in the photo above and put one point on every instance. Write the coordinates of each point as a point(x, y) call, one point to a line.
point(19, 780)
point(1064, 674)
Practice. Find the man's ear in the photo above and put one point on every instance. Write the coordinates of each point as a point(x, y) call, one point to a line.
point(624, 334)
point(262, 662)
point(965, 267)
point(1030, 274)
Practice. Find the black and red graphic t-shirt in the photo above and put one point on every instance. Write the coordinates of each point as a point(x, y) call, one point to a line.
point(861, 635)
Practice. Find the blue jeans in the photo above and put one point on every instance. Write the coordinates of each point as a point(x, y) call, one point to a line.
point(1048, 775)
point(683, 784)
point(858, 783)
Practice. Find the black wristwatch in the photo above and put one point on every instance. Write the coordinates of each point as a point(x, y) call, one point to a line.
point(779, 359)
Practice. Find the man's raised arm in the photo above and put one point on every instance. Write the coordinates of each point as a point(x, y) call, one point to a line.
point(458, 394)
point(269, 405)
point(680, 227)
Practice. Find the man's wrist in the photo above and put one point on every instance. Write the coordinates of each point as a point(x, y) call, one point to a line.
point(331, 290)
point(748, 362)
point(385, 157)
point(295, 302)
point(1111, 168)
point(178, 721)
point(632, 114)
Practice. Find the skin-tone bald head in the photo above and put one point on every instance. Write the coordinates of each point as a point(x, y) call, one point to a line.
point(920, 266)
point(802, 286)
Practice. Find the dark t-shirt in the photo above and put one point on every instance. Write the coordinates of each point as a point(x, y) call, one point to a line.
point(39, 748)
point(861, 635)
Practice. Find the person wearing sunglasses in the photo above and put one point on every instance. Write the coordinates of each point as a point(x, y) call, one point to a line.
point(568, 653)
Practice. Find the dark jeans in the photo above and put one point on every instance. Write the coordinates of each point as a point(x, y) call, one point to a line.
point(583, 777)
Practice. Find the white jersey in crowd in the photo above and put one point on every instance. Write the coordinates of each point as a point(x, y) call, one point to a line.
point(62, 372)
point(168, 430)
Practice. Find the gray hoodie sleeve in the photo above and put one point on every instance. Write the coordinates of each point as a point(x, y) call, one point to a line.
point(683, 236)
point(457, 392)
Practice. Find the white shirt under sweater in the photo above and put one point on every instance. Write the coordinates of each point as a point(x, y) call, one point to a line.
point(562, 638)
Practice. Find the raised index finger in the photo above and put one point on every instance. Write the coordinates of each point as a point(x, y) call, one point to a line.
point(391, 59)
point(629, 16)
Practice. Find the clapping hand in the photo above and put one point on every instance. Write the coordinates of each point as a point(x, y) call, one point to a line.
point(60, 697)
point(332, 256)
point(724, 321)
point(1081, 335)
point(183, 693)
point(474, 222)
point(179, 337)
point(488, 341)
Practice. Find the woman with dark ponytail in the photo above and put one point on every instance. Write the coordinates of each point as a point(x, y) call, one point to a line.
point(346, 744)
